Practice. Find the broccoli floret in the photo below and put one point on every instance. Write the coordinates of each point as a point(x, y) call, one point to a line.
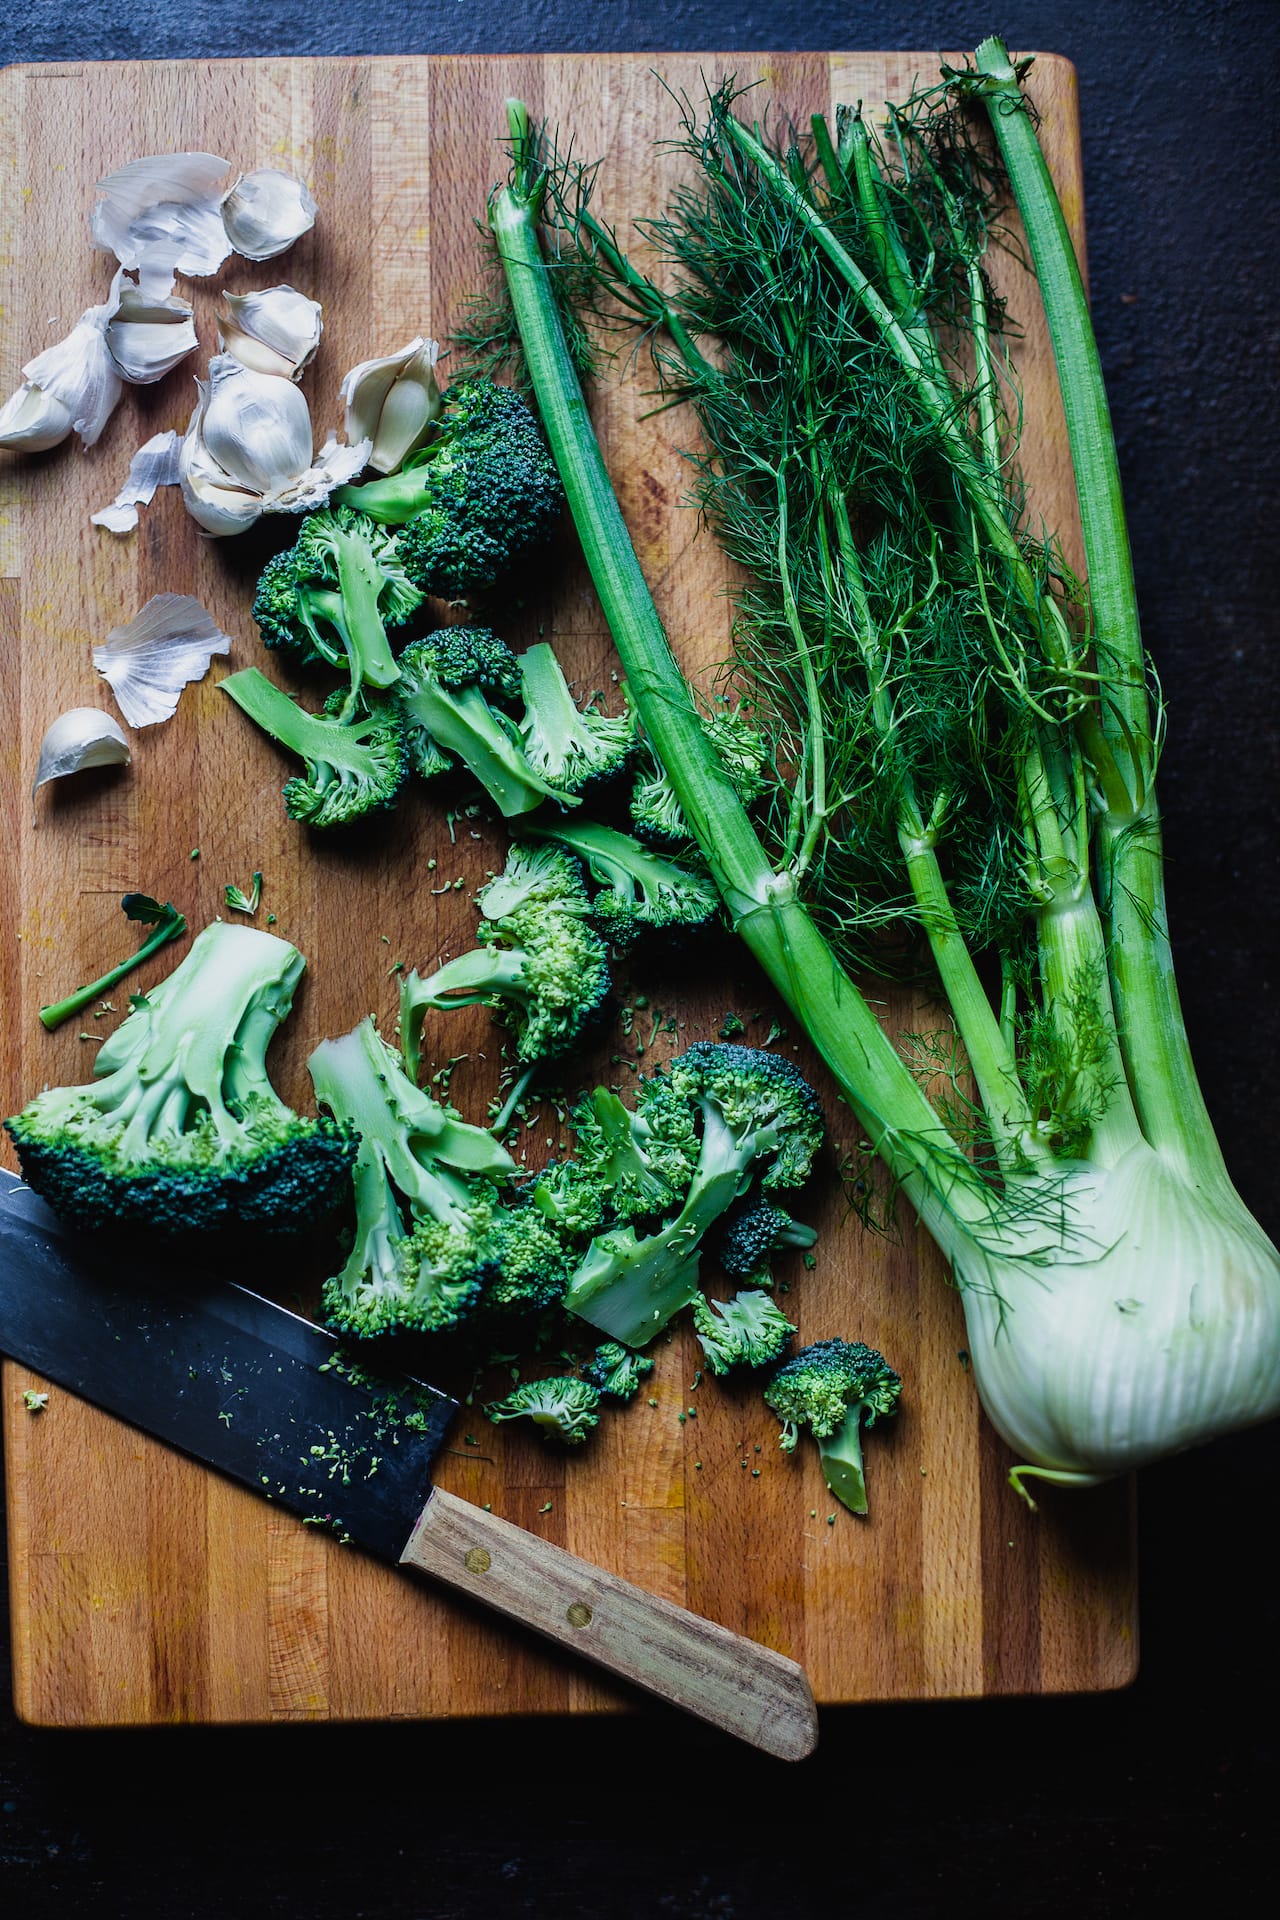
point(576, 749)
point(642, 889)
point(546, 878)
point(425, 1194)
point(562, 1406)
point(181, 1131)
point(480, 497)
point(570, 1199)
point(529, 1269)
point(331, 597)
point(643, 1159)
point(545, 974)
point(744, 752)
point(354, 767)
point(759, 1120)
point(751, 1237)
point(453, 686)
point(835, 1388)
point(747, 1331)
point(615, 1370)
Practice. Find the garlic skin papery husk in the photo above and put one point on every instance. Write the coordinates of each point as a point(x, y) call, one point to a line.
point(70, 387)
point(149, 660)
point(394, 403)
point(1153, 1325)
point(148, 338)
point(83, 737)
point(162, 215)
point(276, 331)
point(265, 212)
point(248, 451)
point(154, 465)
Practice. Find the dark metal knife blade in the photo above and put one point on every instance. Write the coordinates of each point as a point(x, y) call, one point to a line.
point(265, 1397)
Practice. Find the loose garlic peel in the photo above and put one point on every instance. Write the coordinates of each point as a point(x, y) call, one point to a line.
point(81, 738)
point(149, 660)
point(171, 213)
point(155, 464)
point(276, 331)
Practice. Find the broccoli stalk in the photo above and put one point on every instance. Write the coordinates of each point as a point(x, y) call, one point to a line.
point(452, 687)
point(642, 889)
point(181, 1131)
point(353, 769)
point(165, 922)
point(574, 748)
point(747, 1331)
point(562, 1407)
point(758, 1116)
point(424, 1194)
point(547, 974)
point(835, 1388)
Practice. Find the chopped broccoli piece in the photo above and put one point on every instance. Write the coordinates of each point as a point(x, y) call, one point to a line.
point(562, 1406)
point(576, 749)
point(237, 900)
point(546, 878)
point(747, 1331)
point(545, 974)
point(529, 1268)
point(425, 1194)
point(570, 1199)
point(615, 1370)
point(483, 495)
point(642, 1159)
point(181, 1132)
point(642, 889)
point(354, 768)
point(752, 1236)
point(760, 1120)
point(332, 595)
point(835, 1388)
point(453, 686)
point(165, 922)
point(655, 811)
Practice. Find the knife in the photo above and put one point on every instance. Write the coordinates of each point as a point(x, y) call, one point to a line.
point(262, 1395)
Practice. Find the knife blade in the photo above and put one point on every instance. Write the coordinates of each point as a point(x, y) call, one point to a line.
point(262, 1395)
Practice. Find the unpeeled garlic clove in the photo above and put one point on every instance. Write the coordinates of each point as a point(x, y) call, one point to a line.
point(276, 331)
point(148, 338)
point(265, 212)
point(394, 403)
point(73, 385)
point(162, 215)
point(83, 737)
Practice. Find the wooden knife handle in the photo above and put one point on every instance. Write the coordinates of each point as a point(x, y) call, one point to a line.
point(720, 1676)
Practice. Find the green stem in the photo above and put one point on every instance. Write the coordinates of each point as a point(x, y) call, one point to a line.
point(1153, 1033)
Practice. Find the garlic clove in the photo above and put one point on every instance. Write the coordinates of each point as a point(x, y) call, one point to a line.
point(83, 737)
point(162, 215)
point(256, 426)
point(31, 420)
point(80, 375)
point(394, 403)
point(265, 212)
point(155, 464)
point(149, 660)
point(211, 496)
point(276, 331)
point(148, 338)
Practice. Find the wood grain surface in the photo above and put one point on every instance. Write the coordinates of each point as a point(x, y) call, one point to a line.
point(144, 1588)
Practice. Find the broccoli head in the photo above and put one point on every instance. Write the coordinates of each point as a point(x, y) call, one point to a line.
point(528, 1271)
point(757, 1120)
point(481, 496)
point(333, 594)
point(181, 1132)
point(562, 1406)
point(543, 877)
point(835, 1388)
point(747, 1331)
point(425, 1195)
point(577, 749)
point(744, 753)
point(354, 767)
point(641, 890)
point(454, 685)
point(752, 1235)
point(615, 1370)
point(545, 974)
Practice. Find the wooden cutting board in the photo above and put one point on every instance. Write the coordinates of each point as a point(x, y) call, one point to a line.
point(144, 1589)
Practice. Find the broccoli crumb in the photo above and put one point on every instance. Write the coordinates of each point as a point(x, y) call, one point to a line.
point(34, 1402)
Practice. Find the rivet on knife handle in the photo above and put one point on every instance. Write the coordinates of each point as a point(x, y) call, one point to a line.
point(733, 1682)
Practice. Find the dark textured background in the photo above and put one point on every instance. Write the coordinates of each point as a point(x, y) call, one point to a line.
point(1163, 1796)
